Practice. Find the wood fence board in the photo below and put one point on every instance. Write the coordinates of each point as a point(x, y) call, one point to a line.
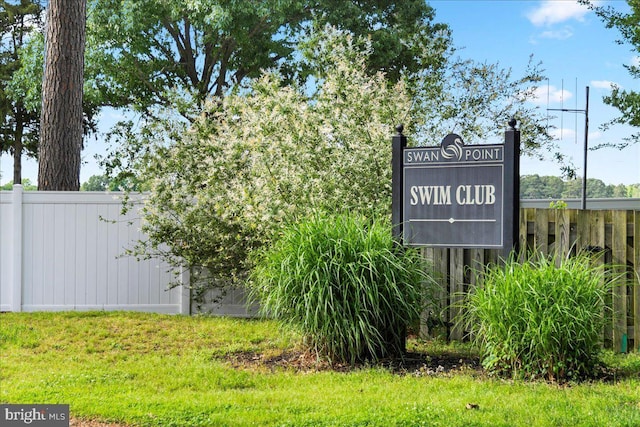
point(541, 231)
point(522, 228)
point(619, 261)
point(582, 229)
point(563, 233)
point(457, 268)
point(476, 266)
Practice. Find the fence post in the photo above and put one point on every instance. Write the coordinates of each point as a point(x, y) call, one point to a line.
point(636, 279)
point(185, 290)
point(16, 252)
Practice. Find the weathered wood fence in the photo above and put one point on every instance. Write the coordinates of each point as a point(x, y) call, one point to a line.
point(558, 233)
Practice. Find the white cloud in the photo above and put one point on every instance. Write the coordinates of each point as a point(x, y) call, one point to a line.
point(595, 135)
point(562, 34)
point(602, 84)
point(554, 11)
point(564, 134)
point(635, 61)
point(550, 94)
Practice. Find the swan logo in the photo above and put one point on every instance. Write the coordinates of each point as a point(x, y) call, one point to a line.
point(451, 147)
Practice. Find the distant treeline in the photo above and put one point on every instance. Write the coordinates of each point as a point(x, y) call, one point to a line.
point(553, 187)
point(531, 187)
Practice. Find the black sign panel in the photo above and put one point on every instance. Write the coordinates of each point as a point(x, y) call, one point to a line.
point(453, 195)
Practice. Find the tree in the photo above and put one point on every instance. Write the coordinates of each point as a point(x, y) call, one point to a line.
point(26, 185)
point(19, 129)
point(105, 183)
point(251, 164)
point(61, 118)
point(476, 100)
point(626, 101)
point(176, 54)
point(276, 151)
point(633, 190)
point(531, 187)
point(24, 88)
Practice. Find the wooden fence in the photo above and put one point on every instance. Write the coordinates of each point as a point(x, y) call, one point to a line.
point(560, 233)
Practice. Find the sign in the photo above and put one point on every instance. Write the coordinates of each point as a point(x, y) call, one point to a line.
point(457, 195)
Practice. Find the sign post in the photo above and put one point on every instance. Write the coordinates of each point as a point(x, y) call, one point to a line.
point(398, 144)
point(456, 195)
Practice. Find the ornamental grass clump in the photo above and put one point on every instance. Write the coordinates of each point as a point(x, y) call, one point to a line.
point(344, 283)
point(539, 320)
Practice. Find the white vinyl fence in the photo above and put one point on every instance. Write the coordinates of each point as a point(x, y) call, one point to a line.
point(63, 251)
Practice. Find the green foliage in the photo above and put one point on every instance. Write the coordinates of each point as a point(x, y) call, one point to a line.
point(345, 284)
point(627, 23)
point(477, 99)
point(120, 183)
point(558, 204)
point(553, 187)
point(27, 185)
point(158, 52)
point(19, 24)
point(536, 320)
point(253, 161)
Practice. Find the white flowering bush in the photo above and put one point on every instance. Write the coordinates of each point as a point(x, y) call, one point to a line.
point(271, 154)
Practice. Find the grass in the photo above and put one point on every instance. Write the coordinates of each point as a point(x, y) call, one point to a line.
point(158, 370)
point(536, 319)
point(345, 284)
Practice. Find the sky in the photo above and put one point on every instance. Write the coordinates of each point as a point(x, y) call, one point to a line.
point(575, 50)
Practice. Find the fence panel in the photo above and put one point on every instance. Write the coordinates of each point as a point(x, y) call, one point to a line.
point(64, 251)
point(560, 233)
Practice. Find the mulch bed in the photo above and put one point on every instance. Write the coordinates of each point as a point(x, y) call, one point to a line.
point(417, 364)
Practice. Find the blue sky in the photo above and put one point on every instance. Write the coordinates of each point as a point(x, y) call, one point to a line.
point(575, 50)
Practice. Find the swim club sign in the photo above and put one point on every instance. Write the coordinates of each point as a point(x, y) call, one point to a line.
point(457, 195)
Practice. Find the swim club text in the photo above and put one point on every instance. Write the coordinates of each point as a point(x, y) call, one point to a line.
point(442, 195)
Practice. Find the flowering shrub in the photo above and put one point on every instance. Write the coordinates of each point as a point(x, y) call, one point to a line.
point(274, 153)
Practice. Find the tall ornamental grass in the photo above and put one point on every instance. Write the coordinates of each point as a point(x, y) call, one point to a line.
point(344, 284)
point(536, 320)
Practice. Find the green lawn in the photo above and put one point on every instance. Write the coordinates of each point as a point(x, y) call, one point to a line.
point(157, 370)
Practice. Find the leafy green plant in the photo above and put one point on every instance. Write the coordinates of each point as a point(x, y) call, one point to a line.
point(345, 284)
point(558, 204)
point(225, 186)
point(539, 320)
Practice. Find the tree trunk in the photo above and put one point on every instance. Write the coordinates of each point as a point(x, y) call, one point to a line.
point(61, 118)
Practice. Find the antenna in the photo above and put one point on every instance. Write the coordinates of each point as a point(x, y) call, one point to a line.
point(575, 117)
point(562, 109)
point(586, 140)
point(548, 105)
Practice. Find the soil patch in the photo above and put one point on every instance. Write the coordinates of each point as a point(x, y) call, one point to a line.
point(417, 364)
